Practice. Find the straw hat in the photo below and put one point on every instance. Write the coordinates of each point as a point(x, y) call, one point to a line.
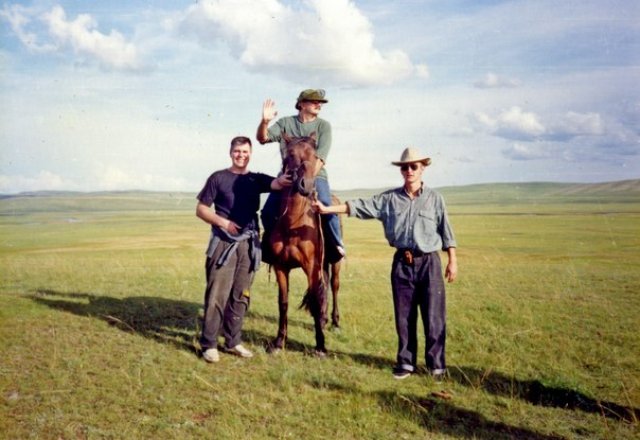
point(411, 155)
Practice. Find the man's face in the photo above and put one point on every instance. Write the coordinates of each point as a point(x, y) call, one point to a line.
point(412, 172)
point(240, 156)
point(311, 107)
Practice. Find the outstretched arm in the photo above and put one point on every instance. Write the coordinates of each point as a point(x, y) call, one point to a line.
point(269, 112)
point(333, 209)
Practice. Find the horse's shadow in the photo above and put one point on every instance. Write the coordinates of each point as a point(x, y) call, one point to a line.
point(168, 321)
point(536, 393)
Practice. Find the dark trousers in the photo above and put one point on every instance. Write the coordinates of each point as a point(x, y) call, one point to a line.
point(226, 297)
point(419, 286)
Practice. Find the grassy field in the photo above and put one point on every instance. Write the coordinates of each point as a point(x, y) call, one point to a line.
point(100, 297)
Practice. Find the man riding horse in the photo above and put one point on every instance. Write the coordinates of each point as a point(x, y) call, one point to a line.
point(306, 122)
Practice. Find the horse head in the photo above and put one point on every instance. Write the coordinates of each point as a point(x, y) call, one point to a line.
point(300, 162)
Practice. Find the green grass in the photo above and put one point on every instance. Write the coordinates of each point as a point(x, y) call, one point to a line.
point(99, 320)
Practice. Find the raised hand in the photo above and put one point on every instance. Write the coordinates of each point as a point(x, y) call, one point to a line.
point(269, 110)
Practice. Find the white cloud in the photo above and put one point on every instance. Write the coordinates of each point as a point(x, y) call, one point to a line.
point(526, 152)
point(493, 81)
point(588, 128)
point(112, 178)
point(19, 18)
point(328, 41)
point(579, 124)
point(111, 50)
point(103, 178)
point(43, 181)
point(513, 124)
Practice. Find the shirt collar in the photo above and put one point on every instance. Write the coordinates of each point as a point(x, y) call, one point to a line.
point(420, 190)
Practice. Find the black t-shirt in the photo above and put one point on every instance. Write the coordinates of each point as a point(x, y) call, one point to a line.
point(236, 196)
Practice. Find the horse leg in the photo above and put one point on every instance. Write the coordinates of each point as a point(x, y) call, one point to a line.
point(282, 277)
point(318, 290)
point(335, 287)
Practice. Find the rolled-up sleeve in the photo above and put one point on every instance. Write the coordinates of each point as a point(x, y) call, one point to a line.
point(444, 227)
point(366, 208)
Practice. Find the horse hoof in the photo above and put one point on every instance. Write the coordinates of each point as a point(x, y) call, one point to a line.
point(336, 329)
point(320, 354)
point(274, 348)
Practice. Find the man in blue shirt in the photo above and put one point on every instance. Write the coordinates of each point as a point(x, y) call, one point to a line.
point(416, 224)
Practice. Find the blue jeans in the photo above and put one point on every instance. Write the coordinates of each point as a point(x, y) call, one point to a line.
point(269, 213)
point(332, 220)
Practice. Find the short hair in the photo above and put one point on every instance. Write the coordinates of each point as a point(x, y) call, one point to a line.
point(239, 140)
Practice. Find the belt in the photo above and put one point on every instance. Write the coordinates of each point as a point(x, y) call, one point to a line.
point(408, 255)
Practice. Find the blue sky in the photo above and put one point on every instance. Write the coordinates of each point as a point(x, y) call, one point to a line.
point(147, 95)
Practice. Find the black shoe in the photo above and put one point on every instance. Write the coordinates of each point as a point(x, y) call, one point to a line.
point(400, 373)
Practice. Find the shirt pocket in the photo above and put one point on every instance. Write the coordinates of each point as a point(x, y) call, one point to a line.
point(426, 225)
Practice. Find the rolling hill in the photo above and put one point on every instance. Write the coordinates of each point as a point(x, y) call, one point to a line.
point(624, 191)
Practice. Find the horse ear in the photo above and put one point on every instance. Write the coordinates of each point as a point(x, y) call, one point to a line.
point(313, 136)
point(286, 137)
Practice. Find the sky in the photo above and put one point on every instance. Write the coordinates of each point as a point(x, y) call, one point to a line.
point(120, 95)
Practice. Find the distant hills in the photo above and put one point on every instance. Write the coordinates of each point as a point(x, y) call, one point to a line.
point(623, 191)
point(547, 192)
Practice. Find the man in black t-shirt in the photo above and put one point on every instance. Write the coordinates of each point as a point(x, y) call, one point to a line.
point(233, 254)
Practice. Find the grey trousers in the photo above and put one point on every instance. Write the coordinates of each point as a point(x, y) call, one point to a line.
point(226, 297)
point(419, 286)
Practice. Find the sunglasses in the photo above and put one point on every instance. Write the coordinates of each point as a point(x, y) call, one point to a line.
point(413, 166)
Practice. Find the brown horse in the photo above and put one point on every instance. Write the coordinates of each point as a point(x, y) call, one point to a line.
point(297, 240)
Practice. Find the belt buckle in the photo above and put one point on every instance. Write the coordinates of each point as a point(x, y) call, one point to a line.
point(408, 257)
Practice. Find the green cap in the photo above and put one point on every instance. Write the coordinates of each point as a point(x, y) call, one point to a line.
point(311, 95)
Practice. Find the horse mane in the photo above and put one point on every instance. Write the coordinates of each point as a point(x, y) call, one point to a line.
point(291, 141)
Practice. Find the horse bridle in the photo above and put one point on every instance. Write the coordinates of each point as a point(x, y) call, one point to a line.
point(297, 177)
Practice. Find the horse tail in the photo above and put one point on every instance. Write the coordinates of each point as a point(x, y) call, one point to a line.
point(315, 300)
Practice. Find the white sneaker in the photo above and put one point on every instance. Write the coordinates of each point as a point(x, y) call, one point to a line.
point(211, 355)
point(239, 350)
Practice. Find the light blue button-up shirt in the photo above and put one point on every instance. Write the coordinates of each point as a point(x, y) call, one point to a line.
point(419, 223)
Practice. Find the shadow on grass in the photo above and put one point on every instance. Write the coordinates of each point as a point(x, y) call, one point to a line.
point(442, 416)
point(535, 392)
point(292, 322)
point(164, 320)
point(446, 418)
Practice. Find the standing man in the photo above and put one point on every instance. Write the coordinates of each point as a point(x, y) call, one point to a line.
point(233, 255)
point(416, 224)
point(306, 122)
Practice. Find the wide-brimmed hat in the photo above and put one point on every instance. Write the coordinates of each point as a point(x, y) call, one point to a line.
point(311, 95)
point(411, 155)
